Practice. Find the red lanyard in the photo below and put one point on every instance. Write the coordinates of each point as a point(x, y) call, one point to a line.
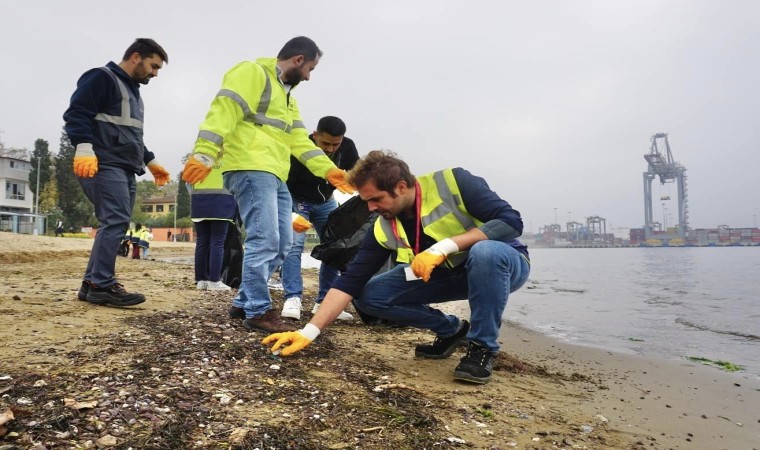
point(418, 208)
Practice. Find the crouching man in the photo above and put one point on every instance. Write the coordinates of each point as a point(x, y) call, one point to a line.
point(453, 238)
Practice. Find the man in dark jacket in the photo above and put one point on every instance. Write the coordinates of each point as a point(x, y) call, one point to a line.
point(313, 202)
point(105, 123)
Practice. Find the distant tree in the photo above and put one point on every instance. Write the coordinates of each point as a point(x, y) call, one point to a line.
point(76, 209)
point(183, 198)
point(42, 154)
point(147, 189)
point(49, 204)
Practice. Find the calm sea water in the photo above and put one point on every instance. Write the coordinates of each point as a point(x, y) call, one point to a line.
point(668, 303)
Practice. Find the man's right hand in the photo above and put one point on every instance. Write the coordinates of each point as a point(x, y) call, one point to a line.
point(197, 168)
point(300, 224)
point(85, 161)
point(295, 340)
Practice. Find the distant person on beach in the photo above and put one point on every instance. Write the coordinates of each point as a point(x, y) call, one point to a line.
point(145, 237)
point(453, 239)
point(255, 117)
point(105, 123)
point(59, 228)
point(313, 202)
point(134, 238)
point(212, 209)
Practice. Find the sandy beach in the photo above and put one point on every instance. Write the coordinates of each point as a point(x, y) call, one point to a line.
point(176, 372)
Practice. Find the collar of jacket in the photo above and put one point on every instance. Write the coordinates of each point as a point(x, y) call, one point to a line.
point(122, 74)
point(270, 65)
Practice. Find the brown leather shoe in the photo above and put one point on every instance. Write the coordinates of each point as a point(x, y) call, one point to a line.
point(270, 322)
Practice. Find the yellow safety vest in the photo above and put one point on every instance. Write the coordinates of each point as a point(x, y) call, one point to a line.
point(443, 215)
point(257, 121)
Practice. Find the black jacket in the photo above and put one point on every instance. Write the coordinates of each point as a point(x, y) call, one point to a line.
point(307, 187)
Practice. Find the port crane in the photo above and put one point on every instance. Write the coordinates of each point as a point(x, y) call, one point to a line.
point(661, 164)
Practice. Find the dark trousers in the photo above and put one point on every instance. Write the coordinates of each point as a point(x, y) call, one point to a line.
point(112, 193)
point(209, 248)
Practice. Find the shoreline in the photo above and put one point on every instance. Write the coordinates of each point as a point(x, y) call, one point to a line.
point(682, 404)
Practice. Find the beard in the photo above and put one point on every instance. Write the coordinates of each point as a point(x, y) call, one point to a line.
point(293, 76)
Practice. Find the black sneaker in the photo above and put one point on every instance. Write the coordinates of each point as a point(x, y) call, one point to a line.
point(443, 347)
point(114, 295)
point(476, 366)
point(83, 290)
point(236, 313)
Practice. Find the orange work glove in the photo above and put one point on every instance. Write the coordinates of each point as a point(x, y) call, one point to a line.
point(337, 177)
point(85, 161)
point(300, 224)
point(160, 175)
point(296, 340)
point(424, 263)
point(197, 168)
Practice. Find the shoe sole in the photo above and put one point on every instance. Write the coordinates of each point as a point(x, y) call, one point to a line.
point(107, 302)
point(464, 376)
point(291, 315)
point(250, 327)
point(450, 351)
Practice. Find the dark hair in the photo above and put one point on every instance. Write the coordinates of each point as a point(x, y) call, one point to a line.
point(146, 48)
point(300, 45)
point(331, 125)
point(383, 168)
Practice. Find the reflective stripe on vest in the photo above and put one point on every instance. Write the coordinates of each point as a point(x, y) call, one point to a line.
point(125, 119)
point(450, 203)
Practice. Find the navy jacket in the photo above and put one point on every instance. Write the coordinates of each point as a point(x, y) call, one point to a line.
point(306, 187)
point(500, 222)
point(114, 145)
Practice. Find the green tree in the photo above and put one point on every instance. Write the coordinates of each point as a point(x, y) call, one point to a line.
point(76, 209)
point(49, 204)
point(40, 158)
point(183, 198)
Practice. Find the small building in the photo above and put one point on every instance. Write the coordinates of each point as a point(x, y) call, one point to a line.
point(158, 206)
point(16, 197)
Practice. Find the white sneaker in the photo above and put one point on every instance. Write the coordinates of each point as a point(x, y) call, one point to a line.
point(202, 285)
point(274, 285)
point(217, 286)
point(292, 308)
point(342, 316)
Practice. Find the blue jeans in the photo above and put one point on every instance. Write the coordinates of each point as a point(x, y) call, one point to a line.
point(493, 270)
point(112, 193)
point(265, 206)
point(209, 248)
point(292, 281)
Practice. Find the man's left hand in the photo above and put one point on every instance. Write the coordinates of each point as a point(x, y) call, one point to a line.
point(160, 175)
point(424, 263)
point(339, 179)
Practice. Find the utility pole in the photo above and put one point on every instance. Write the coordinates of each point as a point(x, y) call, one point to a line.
point(174, 235)
point(37, 199)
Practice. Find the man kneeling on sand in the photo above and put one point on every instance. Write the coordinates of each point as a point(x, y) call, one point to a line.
point(453, 238)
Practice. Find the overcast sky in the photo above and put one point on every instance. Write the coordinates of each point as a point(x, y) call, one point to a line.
point(553, 102)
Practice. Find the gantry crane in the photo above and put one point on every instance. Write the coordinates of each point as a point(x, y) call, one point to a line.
point(663, 166)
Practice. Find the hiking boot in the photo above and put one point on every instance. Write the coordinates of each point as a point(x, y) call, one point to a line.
point(443, 347)
point(114, 295)
point(202, 285)
point(270, 322)
point(292, 308)
point(342, 316)
point(236, 313)
point(83, 290)
point(476, 366)
point(217, 286)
